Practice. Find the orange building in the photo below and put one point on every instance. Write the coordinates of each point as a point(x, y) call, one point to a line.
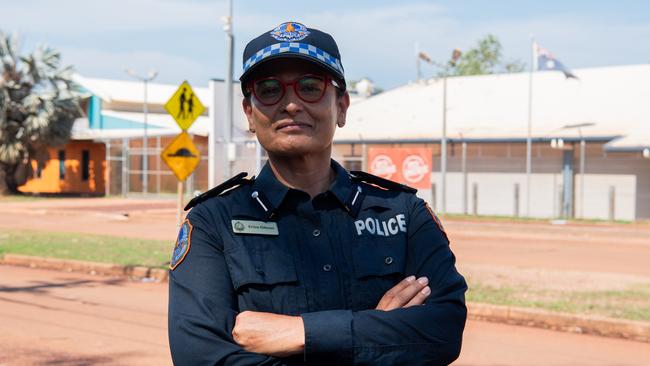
point(76, 168)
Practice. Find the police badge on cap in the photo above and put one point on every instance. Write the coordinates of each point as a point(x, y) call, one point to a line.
point(289, 32)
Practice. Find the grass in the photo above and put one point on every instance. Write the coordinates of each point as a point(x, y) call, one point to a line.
point(632, 303)
point(86, 247)
point(21, 198)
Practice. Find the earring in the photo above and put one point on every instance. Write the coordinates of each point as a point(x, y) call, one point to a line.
point(251, 130)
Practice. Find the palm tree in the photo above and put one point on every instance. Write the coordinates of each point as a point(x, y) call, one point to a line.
point(38, 106)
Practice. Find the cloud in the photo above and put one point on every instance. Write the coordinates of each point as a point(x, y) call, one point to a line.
point(92, 17)
point(171, 69)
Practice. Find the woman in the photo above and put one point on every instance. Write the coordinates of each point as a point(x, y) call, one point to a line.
point(307, 263)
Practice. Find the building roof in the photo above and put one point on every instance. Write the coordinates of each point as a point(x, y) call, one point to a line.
point(495, 107)
point(128, 91)
point(130, 123)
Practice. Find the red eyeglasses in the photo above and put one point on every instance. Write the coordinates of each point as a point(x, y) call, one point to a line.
point(309, 88)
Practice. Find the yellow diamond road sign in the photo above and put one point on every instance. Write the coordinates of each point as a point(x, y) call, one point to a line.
point(184, 106)
point(181, 156)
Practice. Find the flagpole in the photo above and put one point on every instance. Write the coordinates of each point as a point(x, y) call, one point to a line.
point(417, 62)
point(529, 140)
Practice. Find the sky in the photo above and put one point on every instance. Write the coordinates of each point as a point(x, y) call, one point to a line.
point(184, 39)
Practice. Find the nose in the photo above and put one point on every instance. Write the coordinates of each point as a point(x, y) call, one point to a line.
point(292, 104)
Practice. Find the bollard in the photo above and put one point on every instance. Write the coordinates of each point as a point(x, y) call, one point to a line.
point(475, 199)
point(433, 196)
point(516, 208)
point(612, 203)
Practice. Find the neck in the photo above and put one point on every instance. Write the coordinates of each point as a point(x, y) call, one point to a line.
point(310, 174)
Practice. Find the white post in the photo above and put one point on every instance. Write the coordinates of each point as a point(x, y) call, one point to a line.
point(417, 62)
point(229, 94)
point(443, 149)
point(212, 135)
point(529, 140)
point(464, 168)
point(179, 203)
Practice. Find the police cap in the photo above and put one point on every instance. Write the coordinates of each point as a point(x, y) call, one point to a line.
point(292, 39)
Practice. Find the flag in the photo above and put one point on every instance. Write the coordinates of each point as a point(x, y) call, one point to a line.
point(424, 56)
point(547, 61)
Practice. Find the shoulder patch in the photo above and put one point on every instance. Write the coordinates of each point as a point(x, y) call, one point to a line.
point(361, 176)
point(437, 221)
point(237, 180)
point(182, 246)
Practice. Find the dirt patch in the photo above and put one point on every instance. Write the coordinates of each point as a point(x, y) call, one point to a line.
point(548, 279)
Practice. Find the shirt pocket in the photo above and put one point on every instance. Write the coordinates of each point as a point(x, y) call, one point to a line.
point(264, 279)
point(378, 265)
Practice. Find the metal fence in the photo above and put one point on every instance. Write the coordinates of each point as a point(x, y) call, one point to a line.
point(487, 179)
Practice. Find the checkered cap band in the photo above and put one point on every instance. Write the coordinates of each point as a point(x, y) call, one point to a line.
point(294, 47)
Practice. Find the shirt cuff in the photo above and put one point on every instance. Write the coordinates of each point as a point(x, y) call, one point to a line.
point(328, 333)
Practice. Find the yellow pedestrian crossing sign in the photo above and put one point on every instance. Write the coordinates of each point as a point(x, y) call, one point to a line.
point(181, 156)
point(184, 106)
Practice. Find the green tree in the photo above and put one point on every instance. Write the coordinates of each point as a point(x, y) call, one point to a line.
point(38, 106)
point(485, 58)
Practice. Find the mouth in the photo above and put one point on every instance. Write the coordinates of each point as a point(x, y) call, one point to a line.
point(291, 125)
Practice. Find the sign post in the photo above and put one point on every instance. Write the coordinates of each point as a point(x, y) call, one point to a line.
point(181, 155)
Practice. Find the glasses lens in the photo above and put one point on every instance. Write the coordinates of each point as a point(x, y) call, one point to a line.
point(310, 88)
point(268, 91)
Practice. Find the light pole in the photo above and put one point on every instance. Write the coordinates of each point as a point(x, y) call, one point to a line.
point(228, 130)
point(455, 55)
point(145, 154)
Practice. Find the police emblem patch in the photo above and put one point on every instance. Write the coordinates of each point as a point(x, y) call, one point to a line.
point(436, 220)
point(182, 244)
point(289, 32)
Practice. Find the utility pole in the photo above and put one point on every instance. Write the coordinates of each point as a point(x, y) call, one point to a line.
point(229, 149)
point(529, 138)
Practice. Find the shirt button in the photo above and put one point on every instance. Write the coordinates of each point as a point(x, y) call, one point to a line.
point(327, 267)
point(316, 232)
point(388, 260)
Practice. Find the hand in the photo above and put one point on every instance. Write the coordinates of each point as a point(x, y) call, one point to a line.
point(269, 334)
point(408, 292)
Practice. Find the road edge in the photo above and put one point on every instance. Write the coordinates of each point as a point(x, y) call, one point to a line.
point(93, 268)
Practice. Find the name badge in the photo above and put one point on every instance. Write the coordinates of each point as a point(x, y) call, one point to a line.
point(254, 227)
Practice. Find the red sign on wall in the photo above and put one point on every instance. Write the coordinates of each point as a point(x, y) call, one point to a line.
point(410, 166)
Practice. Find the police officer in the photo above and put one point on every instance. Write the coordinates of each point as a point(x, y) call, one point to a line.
point(309, 263)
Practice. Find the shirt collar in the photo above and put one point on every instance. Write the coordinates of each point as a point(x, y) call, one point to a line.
point(268, 186)
point(342, 187)
point(271, 191)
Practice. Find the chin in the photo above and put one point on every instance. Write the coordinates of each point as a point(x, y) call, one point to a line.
point(294, 148)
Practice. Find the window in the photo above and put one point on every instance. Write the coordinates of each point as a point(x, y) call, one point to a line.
point(85, 165)
point(61, 164)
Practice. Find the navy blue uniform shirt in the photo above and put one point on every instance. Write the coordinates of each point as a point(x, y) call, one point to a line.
point(333, 258)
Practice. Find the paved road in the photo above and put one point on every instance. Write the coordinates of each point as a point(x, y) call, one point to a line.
point(57, 318)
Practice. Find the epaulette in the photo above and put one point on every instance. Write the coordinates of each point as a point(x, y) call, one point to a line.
point(230, 183)
point(358, 175)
